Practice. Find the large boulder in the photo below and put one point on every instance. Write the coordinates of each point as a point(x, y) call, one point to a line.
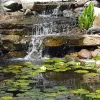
point(12, 5)
point(84, 53)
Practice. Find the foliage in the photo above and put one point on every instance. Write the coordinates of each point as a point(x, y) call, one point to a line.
point(85, 20)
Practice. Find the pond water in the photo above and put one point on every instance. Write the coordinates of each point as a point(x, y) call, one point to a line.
point(51, 79)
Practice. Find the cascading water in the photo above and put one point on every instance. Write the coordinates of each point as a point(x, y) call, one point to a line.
point(52, 27)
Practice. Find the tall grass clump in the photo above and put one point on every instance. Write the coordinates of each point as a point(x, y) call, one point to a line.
point(85, 20)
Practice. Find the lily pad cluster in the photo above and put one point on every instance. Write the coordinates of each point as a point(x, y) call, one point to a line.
point(24, 75)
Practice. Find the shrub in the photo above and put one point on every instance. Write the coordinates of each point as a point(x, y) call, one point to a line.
point(86, 19)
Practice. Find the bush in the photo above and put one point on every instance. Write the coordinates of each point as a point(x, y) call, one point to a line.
point(85, 20)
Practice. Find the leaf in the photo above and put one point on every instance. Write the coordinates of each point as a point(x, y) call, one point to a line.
point(86, 19)
point(81, 71)
point(96, 58)
point(94, 95)
point(79, 91)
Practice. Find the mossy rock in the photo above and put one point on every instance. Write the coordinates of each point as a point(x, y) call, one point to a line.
point(54, 41)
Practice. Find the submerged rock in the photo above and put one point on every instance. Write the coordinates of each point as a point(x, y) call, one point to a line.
point(71, 58)
point(84, 53)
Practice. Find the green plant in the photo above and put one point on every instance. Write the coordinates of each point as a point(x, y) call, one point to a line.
point(86, 19)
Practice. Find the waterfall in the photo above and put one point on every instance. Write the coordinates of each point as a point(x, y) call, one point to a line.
point(39, 31)
point(53, 27)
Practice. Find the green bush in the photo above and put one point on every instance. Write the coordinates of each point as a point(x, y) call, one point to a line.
point(86, 19)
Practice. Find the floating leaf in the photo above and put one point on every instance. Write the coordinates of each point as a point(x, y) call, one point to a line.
point(94, 95)
point(48, 61)
point(91, 74)
point(51, 94)
point(81, 71)
point(60, 88)
point(97, 91)
point(12, 89)
point(7, 98)
point(97, 58)
point(79, 91)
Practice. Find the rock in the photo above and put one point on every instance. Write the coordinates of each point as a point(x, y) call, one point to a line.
point(94, 30)
point(81, 2)
point(91, 40)
point(78, 11)
point(71, 58)
point(96, 52)
point(68, 13)
point(16, 54)
point(13, 5)
point(54, 41)
point(97, 63)
point(84, 53)
point(95, 2)
point(12, 38)
point(96, 25)
point(96, 11)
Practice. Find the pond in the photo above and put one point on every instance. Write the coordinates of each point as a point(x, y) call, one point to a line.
point(54, 79)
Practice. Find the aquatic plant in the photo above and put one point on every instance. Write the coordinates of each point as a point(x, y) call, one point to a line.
point(6, 98)
point(95, 96)
point(81, 71)
point(79, 91)
point(24, 78)
point(86, 19)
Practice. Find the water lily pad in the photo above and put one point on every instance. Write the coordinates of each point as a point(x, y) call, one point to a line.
point(60, 88)
point(91, 74)
point(7, 98)
point(15, 67)
point(96, 58)
point(49, 90)
point(12, 89)
point(81, 71)
point(79, 91)
point(48, 61)
point(51, 94)
point(27, 63)
point(72, 63)
point(49, 98)
point(93, 95)
point(97, 91)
